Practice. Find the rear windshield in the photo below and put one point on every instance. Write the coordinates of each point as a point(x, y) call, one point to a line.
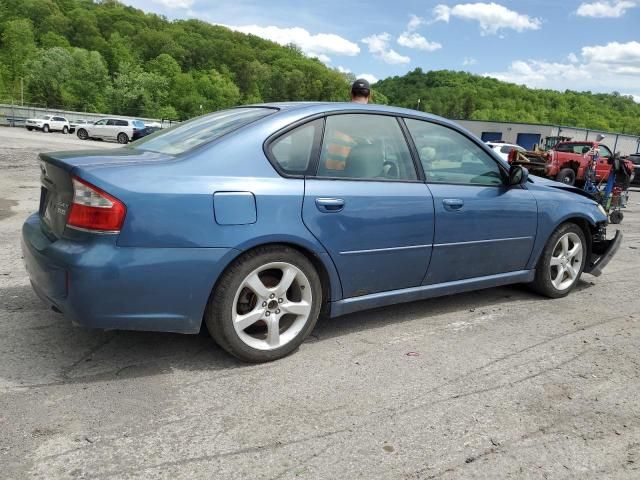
point(196, 132)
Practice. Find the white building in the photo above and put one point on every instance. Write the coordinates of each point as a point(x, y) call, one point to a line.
point(527, 135)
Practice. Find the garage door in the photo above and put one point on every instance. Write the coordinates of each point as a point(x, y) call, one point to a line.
point(528, 140)
point(491, 136)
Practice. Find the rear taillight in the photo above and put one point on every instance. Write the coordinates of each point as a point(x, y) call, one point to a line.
point(94, 209)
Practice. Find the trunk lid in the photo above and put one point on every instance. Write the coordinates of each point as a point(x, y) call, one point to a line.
point(57, 169)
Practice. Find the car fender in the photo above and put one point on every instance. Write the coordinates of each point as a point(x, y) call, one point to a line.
point(553, 212)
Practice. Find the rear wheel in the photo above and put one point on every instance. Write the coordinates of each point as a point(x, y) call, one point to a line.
point(265, 304)
point(45, 129)
point(123, 138)
point(561, 262)
point(82, 134)
point(566, 176)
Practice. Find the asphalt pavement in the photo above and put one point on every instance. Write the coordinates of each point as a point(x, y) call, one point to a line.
point(499, 383)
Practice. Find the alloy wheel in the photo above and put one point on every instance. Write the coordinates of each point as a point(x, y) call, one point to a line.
point(566, 260)
point(272, 305)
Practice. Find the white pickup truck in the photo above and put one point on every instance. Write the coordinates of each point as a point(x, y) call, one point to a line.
point(48, 123)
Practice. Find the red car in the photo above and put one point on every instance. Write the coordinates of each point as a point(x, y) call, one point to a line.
point(567, 162)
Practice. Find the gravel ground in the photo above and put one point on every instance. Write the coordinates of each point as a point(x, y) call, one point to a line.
point(493, 384)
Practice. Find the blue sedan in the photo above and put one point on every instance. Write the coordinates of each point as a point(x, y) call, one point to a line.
point(257, 219)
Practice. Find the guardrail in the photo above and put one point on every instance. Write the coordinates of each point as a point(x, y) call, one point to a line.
point(15, 115)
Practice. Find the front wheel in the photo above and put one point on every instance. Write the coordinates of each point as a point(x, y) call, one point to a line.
point(265, 304)
point(82, 134)
point(123, 138)
point(561, 262)
point(65, 129)
point(566, 176)
point(45, 129)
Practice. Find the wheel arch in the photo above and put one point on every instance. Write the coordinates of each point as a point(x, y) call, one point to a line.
point(330, 281)
point(587, 224)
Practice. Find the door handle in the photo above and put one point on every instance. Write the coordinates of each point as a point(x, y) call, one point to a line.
point(453, 203)
point(330, 205)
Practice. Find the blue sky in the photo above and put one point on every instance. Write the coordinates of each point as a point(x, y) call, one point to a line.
point(581, 45)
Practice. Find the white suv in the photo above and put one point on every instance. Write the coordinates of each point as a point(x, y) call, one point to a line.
point(504, 149)
point(48, 123)
point(119, 129)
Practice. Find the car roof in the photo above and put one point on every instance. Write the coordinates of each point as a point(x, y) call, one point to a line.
point(321, 107)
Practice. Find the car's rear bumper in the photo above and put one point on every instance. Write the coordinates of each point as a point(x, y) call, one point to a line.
point(602, 253)
point(100, 285)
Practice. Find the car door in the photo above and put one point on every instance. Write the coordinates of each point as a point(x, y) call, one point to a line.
point(602, 164)
point(110, 131)
point(97, 130)
point(482, 227)
point(367, 205)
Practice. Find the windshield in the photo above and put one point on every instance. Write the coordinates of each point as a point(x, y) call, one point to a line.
point(201, 130)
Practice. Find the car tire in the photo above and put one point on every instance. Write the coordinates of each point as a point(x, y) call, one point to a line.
point(45, 128)
point(123, 138)
point(560, 266)
point(65, 130)
point(82, 134)
point(566, 176)
point(29, 128)
point(616, 217)
point(265, 304)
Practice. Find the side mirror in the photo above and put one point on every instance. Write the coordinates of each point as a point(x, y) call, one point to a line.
point(518, 175)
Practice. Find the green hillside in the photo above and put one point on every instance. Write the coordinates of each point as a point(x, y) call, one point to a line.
point(461, 95)
point(104, 56)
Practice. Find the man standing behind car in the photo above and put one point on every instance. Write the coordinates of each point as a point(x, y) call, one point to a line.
point(360, 91)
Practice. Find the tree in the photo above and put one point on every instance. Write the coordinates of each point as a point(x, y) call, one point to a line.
point(18, 46)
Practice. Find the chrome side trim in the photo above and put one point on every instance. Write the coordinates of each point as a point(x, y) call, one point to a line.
point(480, 241)
point(388, 249)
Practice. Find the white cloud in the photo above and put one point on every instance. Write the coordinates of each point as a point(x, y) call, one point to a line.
point(322, 57)
point(341, 69)
point(379, 46)
point(573, 58)
point(492, 17)
point(174, 3)
point(415, 40)
point(602, 68)
point(469, 61)
point(368, 77)
point(606, 9)
point(316, 45)
point(414, 23)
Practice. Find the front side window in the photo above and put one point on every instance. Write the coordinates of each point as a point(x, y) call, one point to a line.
point(111, 123)
point(449, 157)
point(198, 131)
point(604, 151)
point(366, 147)
point(292, 151)
point(101, 122)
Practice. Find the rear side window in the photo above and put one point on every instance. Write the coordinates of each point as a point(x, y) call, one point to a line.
point(365, 146)
point(293, 151)
point(188, 135)
point(122, 123)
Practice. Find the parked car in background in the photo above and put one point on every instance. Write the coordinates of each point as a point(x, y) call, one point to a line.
point(48, 123)
point(255, 219)
point(147, 130)
point(504, 149)
point(119, 129)
point(635, 159)
point(75, 124)
point(567, 162)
